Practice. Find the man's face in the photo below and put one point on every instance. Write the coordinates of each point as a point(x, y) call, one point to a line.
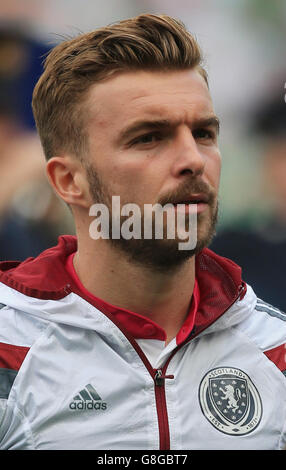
point(153, 139)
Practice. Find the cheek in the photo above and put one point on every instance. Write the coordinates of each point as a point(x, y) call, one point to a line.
point(127, 182)
point(214, 169)
point(136, 181)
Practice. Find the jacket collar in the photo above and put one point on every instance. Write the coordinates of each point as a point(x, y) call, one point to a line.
point(45, 277)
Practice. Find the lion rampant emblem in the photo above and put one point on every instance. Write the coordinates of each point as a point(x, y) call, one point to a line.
point(232, 395)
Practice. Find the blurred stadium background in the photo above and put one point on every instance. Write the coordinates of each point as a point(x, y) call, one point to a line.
point(245, 55)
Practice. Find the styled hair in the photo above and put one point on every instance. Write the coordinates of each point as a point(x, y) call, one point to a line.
point(146, 42)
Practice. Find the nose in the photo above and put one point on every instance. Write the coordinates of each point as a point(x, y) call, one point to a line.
point(187, 156)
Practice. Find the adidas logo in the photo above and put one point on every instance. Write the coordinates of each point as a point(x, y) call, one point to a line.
point(87, 399)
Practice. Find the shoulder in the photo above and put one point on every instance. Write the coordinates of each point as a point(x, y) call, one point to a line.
point(18, 332)
point(266, 327)
point(18, 327)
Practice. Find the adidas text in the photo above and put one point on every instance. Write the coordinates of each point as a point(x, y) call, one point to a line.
point(88, 405)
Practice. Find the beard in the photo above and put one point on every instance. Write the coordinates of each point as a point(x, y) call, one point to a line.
point(159, 254)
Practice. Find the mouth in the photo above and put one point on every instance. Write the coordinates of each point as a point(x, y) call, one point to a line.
point(196, 203)
point(193, 199)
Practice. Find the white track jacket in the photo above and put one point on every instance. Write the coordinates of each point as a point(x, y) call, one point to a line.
point(71, 377)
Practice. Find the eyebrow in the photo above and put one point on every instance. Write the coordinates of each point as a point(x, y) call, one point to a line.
point(137, 126)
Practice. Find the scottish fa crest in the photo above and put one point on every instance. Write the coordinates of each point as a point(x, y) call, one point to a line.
point(230, 401)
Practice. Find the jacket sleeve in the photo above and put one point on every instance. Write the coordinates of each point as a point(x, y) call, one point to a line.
point(12, 355)
point(276, 349)
point(267, 328)
point(3, 404)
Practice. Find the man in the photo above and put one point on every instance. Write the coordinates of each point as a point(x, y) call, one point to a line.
point(119, 342)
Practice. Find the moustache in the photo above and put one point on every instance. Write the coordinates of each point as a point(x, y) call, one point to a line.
point(187, 190)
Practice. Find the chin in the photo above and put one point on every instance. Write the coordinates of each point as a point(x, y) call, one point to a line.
point(164, 254)
point(158, 255)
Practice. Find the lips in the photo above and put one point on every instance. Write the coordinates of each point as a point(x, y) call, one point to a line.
point(192, 199)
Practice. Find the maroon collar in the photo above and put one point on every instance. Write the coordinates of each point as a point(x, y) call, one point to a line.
point(46, 277)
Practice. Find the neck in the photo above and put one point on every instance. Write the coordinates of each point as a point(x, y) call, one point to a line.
point(163, 297)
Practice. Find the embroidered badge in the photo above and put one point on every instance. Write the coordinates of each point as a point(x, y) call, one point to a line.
point(230, 401)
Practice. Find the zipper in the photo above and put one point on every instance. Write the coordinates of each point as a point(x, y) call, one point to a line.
point(159, 376)
point(161, 405)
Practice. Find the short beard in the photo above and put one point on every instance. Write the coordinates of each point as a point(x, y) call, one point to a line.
point(161, 255)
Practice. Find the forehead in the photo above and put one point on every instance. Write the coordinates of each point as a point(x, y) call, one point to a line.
point(173, 95)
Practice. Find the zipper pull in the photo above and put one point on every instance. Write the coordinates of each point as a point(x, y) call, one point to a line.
point(159, 377)
point(242, 291)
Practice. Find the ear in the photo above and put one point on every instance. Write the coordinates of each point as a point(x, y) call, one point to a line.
point(66, 175)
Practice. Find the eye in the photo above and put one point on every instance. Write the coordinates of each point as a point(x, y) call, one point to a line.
point(146, 139)
point(203, 134)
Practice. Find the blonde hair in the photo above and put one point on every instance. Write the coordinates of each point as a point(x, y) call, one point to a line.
point(146, 42)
